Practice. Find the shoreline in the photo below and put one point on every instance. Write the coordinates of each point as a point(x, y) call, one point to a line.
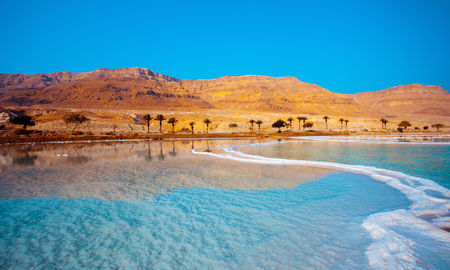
point(71, 138)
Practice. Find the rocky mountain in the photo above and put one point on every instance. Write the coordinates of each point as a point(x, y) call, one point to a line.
point(138, 88)
point(407, 100)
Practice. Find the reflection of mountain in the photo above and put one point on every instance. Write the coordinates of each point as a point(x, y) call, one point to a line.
point(138, 88)
point(114, 172)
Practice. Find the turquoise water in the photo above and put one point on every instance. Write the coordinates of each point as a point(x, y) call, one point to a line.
point(426, 161)
point(156, 205)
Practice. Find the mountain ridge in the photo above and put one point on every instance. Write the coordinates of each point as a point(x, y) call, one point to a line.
point(141, 88)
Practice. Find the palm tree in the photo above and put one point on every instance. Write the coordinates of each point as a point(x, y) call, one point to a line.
point(279, 124)
point(290, 119)
point(326, 121)
point(259, 122)
point(301, 118)
point(207, 122)
point(160, 118)
point(147, 119)
point(346, 122)
point(192, 127)
point(341, 120)
point(383, 122)
point(404, 124)
point(172, 121)
point(25, 121)
point(251, 123)
point(308, 125)
point(233, 126)
point(437, 126)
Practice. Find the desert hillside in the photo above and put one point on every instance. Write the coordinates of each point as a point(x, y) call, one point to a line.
point(143, 89)
point(137, 88)
point(414, 100)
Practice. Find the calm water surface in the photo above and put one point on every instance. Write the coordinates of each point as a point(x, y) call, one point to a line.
point(156, 205)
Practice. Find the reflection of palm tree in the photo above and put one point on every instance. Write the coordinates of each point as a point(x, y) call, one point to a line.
point(161, 154)
point(326, 121)
point(173, 153)
point(26, 160)
point(207, 146)
point(149, 153)
point(160, 118)
point(192, 146)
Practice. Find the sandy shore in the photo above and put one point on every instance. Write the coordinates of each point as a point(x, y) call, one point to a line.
point(68, 137)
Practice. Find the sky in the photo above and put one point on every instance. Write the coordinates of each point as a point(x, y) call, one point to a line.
point(344, 46)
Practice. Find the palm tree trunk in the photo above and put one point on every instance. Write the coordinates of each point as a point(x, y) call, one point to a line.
point(160, 126)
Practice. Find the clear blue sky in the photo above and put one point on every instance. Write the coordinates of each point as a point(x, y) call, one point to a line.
point(344, 46)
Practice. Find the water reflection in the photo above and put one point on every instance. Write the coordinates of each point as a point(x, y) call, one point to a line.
point(119, 171)
point(430, 161)
point(26, 160)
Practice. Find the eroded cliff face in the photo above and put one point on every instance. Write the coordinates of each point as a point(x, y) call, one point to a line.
point(138, 88)
point(407, 100)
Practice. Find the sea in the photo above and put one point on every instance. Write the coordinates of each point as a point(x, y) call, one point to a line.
point(340, 202)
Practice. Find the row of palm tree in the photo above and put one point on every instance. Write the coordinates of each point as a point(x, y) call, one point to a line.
point(277, 124)
point(172, 120)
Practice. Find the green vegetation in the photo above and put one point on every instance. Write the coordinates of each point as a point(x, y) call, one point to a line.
point(290, 119)
point(342, 121)
point(172, 121)
point(160, 118)
point(404, 124)
point(259, 122)
point(437, 126)
point(302, 118)
point(326, 121)
point(383, 122)
point(23, 120)
point(207, 122)
point(279, 124)
point(192, 124)
point(147, 118)
point(252, 122)
point(233, 126)
point(75, 119)
point(308, 125)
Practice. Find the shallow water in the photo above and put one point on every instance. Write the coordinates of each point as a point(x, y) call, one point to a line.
point(157, 205)
point(430, 161)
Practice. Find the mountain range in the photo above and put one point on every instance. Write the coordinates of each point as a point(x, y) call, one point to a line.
point(143, 89)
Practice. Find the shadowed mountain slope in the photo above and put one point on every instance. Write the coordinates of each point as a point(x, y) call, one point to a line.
point(139, 88)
